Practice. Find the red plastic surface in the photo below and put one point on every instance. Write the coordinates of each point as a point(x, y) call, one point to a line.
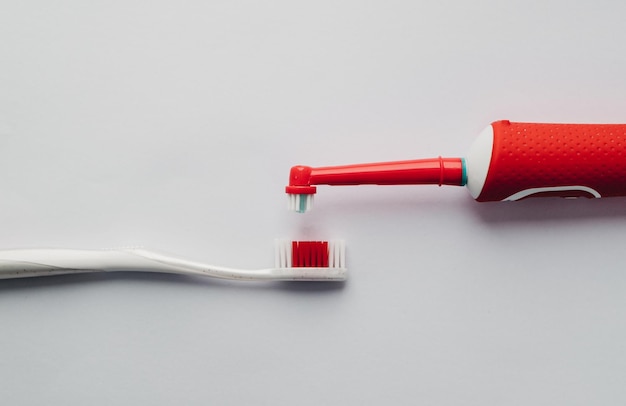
point(529, 156)
point(437, 171)
point(300, 181)
point(309, 254)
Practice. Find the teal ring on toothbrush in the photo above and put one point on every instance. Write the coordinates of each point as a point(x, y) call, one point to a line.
point(464, 174)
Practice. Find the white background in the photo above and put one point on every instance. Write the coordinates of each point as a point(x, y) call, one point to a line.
point(173, 125)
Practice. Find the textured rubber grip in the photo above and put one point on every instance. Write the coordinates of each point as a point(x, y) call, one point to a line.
point(567, 160)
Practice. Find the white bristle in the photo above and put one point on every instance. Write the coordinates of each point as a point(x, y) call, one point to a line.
point(283, 254)
point(337, 253)
point(299, 202)
point(342, 254)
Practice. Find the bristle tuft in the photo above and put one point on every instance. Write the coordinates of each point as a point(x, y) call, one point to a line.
point(310, 254)
point(337, 254)
point(283, 254)
point(300, 203)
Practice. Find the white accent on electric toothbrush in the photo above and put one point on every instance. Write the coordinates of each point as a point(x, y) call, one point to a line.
point(477, 161)
point(529, 192)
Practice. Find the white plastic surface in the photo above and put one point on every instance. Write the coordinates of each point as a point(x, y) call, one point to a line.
point(529, 192)
point(477, 161)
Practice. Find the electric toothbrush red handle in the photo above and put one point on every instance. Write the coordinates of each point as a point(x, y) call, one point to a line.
point(567, 160)
point(508, 161)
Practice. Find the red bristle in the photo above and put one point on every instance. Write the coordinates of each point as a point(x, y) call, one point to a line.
point(309, 254)
point(295, 259)
point(317, 253)
point(306, 253)
point(312, 253)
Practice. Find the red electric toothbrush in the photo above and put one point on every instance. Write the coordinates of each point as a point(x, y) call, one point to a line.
point(508, 161)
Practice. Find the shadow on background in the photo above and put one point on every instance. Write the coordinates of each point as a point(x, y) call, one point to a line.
point(418, 201)
point(151, 278)
point(551, 209)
